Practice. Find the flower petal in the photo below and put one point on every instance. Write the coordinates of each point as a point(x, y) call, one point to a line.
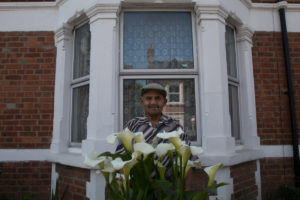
point(196, 151)
point(163, 148)
point(211, 171)
point(91, 159)
point(144, 148)
point(139, 137)
point(118, 163)
point(111, 139)
point(126, 137)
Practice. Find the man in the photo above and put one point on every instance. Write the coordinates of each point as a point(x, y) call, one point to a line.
point(153, 99)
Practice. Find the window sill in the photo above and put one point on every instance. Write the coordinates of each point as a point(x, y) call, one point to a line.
point(73, 158)
point(239, 156)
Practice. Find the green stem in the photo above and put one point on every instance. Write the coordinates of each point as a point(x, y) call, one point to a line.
point(181, 180)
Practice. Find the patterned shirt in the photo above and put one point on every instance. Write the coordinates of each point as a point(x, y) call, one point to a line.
point(142, 124)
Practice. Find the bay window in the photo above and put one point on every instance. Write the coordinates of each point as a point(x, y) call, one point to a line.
point(159, 47)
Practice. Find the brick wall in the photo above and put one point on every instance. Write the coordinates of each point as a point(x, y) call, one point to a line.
point(196, 180)
point(27, 72)
point(25, 178)
point(74, 179)
point(243, 176)
point(271, 87)
point(274, 173)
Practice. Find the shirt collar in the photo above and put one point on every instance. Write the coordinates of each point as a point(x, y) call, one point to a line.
point(163, 119)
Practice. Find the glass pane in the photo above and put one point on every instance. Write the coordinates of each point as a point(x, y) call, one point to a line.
point(234, 111)
point(230, 52)
point(158, 40)
point(174, 98)
point(80, 112)
point(174, 88)
point(82, 51)
point(185, 112)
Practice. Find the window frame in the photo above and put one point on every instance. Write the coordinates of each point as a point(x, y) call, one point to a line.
point(162, 73)
point(75, 83)
point(181, 77)
point(236, 82)
point(158, 71)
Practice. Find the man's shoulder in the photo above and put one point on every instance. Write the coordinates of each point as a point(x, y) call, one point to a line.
point(170, 120)
point(135, 120)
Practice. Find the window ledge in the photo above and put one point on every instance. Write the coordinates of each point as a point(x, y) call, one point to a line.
point(72, 158)
point(239, 156)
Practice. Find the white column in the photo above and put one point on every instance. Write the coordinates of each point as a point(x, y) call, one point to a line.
point(63, 42)
point(216, 130)
point(224, 192)
point(103, 78)
point(248, 107)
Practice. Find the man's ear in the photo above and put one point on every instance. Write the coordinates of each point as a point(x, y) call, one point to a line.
point(141, 100)
point(166, 101)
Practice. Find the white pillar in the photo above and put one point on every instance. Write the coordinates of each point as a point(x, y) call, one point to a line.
point(216, 130)
point(63, 42)
point(248, 107)
point(103, 78)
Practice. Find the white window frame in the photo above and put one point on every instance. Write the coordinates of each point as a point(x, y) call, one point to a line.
point(235, 81)
point(162, 73)
point(75, 83)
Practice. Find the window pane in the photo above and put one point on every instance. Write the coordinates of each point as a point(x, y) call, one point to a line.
point(230, 52)
point(234, 111)
point(174, 98)
point(184, 112)
point(80, 111)
point(158, 40)
point(82, 51)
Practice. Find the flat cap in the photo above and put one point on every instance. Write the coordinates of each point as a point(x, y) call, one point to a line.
point(154, 86)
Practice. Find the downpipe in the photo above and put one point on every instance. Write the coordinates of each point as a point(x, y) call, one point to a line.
point(294, 133)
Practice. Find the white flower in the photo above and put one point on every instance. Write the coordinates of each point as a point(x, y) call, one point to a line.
point(125, 137)
point(139, 137)
point(211, 171)
point(173, 137)
point(196, 151)
point(144, 148)
point(163, 148)
point(91, 159)
point(185, 152)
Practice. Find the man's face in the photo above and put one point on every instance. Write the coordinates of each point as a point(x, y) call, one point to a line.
point(153, 102)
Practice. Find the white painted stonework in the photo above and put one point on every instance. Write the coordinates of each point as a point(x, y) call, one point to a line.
point(105, 21)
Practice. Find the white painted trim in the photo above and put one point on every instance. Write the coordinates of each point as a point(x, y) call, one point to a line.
point(19, 155)
point(28, 16)
point(277, 150)
point(258, 179)
point(25, 5)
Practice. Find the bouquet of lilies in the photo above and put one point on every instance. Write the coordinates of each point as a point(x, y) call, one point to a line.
point(140, 173)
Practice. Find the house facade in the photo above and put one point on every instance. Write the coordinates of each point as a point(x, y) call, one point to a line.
point(70, 72)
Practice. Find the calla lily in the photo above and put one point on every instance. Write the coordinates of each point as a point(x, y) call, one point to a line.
point(185, 152)
point(118, 163)
point(127, 167)
point(196, 151)
point(196, 164)
point(144, 148)
point(92, 160)
point(173, 137)
point(211, 171)
point(139, 137)
point(125, 137)
point(163, 148)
